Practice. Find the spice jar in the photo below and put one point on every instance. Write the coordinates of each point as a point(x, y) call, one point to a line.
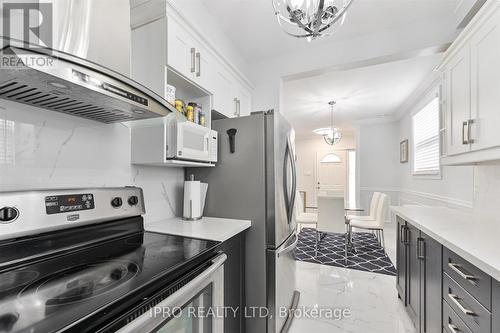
point(179, 105)
point(190, 112)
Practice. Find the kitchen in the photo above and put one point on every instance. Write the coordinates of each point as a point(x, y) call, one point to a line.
point(78, 141)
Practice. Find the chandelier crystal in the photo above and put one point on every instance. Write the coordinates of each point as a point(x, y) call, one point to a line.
point(332, 135)
point(310, 18)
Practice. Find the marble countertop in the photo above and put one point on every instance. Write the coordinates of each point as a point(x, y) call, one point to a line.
point(474, 238)
point(212, 228)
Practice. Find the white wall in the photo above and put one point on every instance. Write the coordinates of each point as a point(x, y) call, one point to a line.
point(453, 188)
point(306, 149)
point(52, 150)
point(378, 157)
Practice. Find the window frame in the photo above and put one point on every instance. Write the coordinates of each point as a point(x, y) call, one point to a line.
point(431, 95)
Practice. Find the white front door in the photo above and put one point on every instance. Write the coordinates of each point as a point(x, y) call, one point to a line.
point(330, 177)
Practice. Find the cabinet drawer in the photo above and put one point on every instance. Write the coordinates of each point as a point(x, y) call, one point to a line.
point(474, 315)
point(471, 278)
point(452, 322)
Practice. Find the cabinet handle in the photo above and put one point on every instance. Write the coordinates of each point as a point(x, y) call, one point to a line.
point(238, 105)
point(454, 299)
point(420, 248)
point(193, 62)
point(198, 64)
point(401, 234)
point(453, 328)
point(465, 132)
point(407, 237)
point(235, 106)
point(457, 269)
point(469, 131)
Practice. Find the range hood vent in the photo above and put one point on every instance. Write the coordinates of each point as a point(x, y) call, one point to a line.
point(64, 83)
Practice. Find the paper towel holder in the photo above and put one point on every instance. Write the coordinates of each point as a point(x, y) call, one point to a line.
point(191, 218)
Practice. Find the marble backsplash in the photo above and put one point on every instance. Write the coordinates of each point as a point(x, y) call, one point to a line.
point(42, 149)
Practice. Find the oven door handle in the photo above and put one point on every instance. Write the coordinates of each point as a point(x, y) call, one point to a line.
point(148, 322)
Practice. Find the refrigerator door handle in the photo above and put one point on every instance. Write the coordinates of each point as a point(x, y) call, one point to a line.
point(294, 181)
point(289, 197)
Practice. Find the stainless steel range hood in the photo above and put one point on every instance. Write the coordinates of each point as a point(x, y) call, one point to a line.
point(61, 82)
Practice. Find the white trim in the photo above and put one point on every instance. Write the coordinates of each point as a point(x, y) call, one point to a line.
point(431, 196)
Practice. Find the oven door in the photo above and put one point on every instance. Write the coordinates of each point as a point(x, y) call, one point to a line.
point(188, 309)
point(193, 142)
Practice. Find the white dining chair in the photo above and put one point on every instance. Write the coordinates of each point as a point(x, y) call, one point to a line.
point(375, 224)
point(371, 212)
point(301, 217)
point(330, 218)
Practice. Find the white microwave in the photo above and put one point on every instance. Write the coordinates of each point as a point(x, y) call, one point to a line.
point(190, 142)
point(173, 141)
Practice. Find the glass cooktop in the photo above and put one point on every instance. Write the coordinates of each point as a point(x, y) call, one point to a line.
point(53, 293)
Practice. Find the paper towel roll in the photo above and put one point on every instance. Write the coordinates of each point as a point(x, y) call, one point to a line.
point(192, 200)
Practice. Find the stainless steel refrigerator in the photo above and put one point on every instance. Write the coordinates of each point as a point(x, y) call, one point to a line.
point(255, 179)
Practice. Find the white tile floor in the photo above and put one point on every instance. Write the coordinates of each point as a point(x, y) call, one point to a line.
point(371, 298)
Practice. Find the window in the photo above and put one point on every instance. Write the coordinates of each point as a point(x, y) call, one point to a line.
point(426, 140)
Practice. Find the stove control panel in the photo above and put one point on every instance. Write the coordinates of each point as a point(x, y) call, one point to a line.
point(26, 213)
point(57, 204)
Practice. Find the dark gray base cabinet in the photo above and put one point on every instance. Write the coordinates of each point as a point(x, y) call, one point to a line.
point(234, 282)
point(496, 307)
point(442, 291)
point(419, 277)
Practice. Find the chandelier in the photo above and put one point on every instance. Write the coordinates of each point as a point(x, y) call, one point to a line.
point(310, 18)
point(332, 135)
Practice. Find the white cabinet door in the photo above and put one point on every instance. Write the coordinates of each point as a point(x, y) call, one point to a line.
point(457, 76)
point(222, 99)
point(204, 68)
point(181, 51)
point(242, 99)
point(485, 84)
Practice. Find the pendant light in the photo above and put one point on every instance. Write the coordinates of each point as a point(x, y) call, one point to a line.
point(331, 135)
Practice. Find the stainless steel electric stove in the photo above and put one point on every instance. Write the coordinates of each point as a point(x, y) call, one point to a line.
point(80, 261)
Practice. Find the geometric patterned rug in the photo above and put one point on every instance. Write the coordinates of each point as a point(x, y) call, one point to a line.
point(369, 255)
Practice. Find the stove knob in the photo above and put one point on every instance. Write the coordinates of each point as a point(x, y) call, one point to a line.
point(116, 202)
point(133, 200)
point(8, 214)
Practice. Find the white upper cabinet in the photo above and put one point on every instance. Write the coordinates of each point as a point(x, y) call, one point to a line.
point(191, 54)
point(457, 87)
point(472, 91)
point(485, 83)
point(181, 49)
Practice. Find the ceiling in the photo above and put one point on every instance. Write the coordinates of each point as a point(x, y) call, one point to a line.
point(366, 93)
point(253, 29)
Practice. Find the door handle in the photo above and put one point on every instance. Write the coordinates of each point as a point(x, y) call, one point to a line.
point(198, 64)
point(193, 61)
point(455, 299)
point(401, 234)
